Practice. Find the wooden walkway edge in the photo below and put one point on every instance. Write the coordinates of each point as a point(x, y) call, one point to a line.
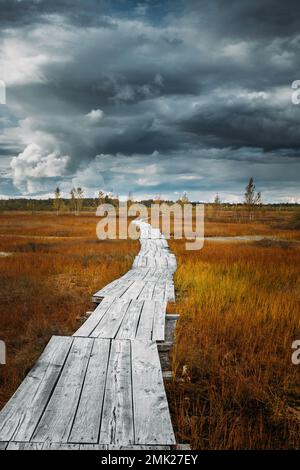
point(103, 388)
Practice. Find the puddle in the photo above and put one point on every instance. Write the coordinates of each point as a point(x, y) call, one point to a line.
point(5, 254)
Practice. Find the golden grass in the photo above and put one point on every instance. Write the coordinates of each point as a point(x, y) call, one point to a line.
point(47, 282)
point(235, 386)
point(225, 223)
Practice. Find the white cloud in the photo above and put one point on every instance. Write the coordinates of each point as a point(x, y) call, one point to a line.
point(95, 115)
point(34, 164)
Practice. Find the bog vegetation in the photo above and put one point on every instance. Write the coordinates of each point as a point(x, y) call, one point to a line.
point(235, 386)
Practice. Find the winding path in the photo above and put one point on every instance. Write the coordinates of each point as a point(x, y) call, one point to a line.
point(103, 387)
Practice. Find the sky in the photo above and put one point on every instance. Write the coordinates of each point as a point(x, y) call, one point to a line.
point(150, 97)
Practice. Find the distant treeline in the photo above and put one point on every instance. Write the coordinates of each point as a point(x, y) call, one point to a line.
point(23, 204)
point(90, 204)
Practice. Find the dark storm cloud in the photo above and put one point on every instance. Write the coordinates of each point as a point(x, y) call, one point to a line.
point(246, 123)
point(18, 13)
point(151, 96)
point(247, 19)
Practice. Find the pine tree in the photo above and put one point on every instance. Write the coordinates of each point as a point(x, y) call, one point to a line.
point(251, 197)
point(250, 193)
point(217, 200)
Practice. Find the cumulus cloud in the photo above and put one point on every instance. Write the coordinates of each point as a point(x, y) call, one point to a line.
point(33, 165)
point(95, 116)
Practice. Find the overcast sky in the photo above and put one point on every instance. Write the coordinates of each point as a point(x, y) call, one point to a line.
point(151, 97)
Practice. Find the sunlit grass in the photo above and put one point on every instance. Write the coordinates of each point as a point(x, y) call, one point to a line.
point(235, 385)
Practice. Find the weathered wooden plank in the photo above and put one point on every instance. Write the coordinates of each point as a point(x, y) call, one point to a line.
point(56, 422)
point(107, 289)
point(93, 447)
point(115, 289)
point(110, 324)
point(25, 446)
point(152, 422)
point(145, 326)
point(159, 321)
point(130, 322)
point(147, 291)
point(21, 414)
point(52, 446)
point(60, 446)
point(117, 416)
point(3, 445)
point(86, 426)
point(159, 292)
point(140, 262)
point(135, 274)
point(134, 290)
point(90, 324)
point(121, 288)
point(169, 292)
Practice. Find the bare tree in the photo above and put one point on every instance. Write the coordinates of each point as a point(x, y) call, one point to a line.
point(57, 200)
point(216, 206)
point(73, 202)
point(101, 198)
point(79, 194)
point(183, 199)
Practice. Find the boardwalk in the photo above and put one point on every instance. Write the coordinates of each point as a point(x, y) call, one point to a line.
point(103, 387)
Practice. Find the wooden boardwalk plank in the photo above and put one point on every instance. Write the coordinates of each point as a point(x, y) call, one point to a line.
point(117, 417)
point(21, 414)
point(159, 292)
point(119, 288)
point(110, 324)
point(169, 292)
point(159, 321)
point(144, 331)
point(152, 423)
point(56, 422)
point(134, 290)
point(88, 416)
point(90, 324)
point(130, 322)
point(25, 446)
point(147, 291)
point(53, 446)
point(107, 289)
